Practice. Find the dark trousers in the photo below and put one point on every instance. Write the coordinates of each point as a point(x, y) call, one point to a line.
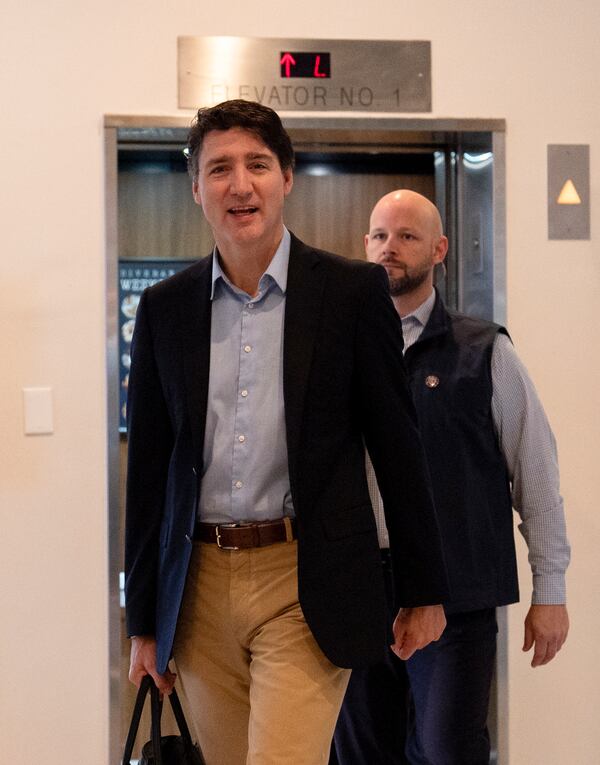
point(429, 710)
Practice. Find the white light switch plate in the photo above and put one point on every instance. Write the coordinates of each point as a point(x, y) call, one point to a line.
point(37, 406)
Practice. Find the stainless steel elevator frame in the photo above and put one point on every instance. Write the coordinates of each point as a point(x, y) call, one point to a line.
point(479, 181)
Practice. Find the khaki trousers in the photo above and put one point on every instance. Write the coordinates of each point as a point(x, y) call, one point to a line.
point(258, 688)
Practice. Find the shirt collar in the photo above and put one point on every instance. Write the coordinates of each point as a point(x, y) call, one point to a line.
point(423, 312)
point(277, 269)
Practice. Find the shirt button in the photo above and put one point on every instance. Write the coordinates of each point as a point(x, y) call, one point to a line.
point(250, 306)
point(244, 393)
point(247, 348)
point(241, 439)
point(238, 484)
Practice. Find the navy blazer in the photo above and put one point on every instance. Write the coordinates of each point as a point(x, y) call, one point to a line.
point(344, 385)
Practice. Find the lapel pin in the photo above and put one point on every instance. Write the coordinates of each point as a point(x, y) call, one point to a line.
point(432, 381)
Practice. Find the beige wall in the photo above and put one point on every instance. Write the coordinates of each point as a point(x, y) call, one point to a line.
point(62, 66)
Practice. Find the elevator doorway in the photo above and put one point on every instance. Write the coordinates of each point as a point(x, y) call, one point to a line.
point(343, 166)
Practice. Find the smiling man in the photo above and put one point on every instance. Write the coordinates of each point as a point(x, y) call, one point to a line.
point(257, 377)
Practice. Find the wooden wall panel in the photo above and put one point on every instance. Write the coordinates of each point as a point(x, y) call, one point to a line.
point(158, 217)
point(332, 211)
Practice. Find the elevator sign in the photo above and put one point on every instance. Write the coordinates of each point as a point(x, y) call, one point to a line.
point(306, 75)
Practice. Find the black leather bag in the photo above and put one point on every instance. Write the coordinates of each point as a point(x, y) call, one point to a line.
point(161, 750)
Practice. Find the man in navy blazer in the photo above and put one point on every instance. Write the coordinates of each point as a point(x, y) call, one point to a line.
point(258, 376)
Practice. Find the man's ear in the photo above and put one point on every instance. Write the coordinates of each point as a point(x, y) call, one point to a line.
point(441, 250)
point(288, 181)
point(196, 193)
point(366, 243)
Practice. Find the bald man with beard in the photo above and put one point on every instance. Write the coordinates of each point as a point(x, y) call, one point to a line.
point(490, 449)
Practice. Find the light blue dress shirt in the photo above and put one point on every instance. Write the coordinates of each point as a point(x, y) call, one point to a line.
point(246, 474)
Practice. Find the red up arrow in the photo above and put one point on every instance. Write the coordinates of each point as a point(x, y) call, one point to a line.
point(287, 60)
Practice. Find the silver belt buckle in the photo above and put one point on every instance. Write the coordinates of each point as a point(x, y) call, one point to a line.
point(218, 533)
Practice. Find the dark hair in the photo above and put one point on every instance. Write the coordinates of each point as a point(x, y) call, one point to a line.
point(249, 115)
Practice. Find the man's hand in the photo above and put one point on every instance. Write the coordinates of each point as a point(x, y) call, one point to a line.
point(143, 662)
point(415, 628)
point(546, 627)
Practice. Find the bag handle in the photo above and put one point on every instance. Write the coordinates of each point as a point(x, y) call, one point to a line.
point(135, 718)
point(156, 710)
point(182, 725)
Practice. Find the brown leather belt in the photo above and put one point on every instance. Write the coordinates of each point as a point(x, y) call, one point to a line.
point(242, 536)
